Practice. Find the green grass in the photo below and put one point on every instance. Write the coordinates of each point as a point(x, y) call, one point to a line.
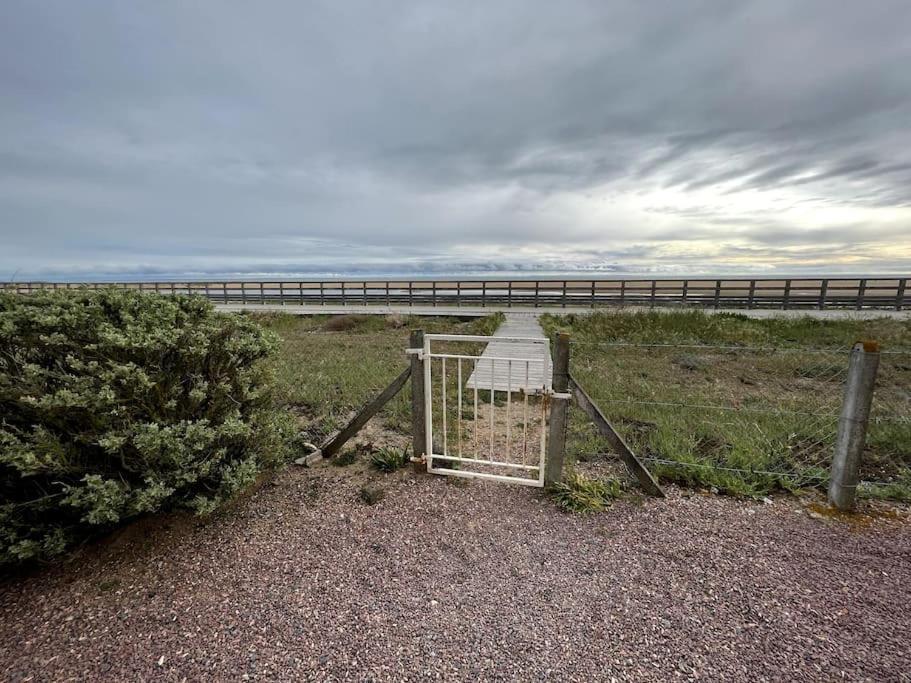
point(323, 374)
point(580, 494)
point(738, 418)
point(389, 459)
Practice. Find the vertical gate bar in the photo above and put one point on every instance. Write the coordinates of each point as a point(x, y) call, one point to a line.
point(460, 407)
point(490, 450)
point(443, 392)
point(525, 417)
point(508, 409)
point(428, 404)
point(474, 425)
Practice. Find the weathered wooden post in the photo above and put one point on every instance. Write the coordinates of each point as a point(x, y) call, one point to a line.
point(852, 425)
point(418, 417)
point(559, 408)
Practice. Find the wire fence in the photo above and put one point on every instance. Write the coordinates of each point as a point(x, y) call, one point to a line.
point(742, 419)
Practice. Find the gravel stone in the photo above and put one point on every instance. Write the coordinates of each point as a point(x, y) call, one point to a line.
point(301, 581)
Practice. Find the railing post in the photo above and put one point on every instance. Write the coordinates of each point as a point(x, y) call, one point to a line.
point(787, 295)
point(861, 292)
point(752, 295)
point(822, 294)
point(559, 409)
point(418, 414)
point(852, 425)
point(509, 294)
point(483, 294)
point(900, 297)
point(654, 287)
point(564, 294)
point(717, 293)
point(538, 285)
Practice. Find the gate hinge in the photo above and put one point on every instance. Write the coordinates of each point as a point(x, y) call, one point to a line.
point(415, 352)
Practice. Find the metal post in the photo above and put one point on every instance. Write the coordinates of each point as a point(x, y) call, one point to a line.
point(852, 425)
point(559, 408)
point(900, 296)
point(418, 422)
point(822, 294)
point(787, 294)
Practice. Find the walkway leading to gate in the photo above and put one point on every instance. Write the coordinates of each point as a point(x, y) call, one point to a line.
point(514, 378)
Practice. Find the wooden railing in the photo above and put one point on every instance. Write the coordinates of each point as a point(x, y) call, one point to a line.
point(793, 293)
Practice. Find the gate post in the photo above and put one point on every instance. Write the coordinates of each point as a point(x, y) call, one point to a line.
point(418, 417)
point(852, 425)
point(556, 437)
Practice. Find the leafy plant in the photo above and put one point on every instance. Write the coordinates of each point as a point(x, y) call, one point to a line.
point(389, 459)
point(578, 493)
point(115, 403)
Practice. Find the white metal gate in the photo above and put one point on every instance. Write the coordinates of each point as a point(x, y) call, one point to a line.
point(512, 370)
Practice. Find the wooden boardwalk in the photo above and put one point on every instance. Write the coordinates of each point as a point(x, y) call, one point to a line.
point(518, 375)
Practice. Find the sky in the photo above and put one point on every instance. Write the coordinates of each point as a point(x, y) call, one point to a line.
point(176, 138)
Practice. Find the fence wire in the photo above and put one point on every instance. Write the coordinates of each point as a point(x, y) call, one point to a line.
point(742, 419)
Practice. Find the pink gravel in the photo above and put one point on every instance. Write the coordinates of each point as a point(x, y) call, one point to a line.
point(302, 581)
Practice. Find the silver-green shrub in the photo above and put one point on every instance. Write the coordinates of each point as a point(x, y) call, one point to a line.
point(114, 404)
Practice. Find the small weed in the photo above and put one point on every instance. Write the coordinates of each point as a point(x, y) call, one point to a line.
point(578, 493)
point(389, 459)
point(108, 585)
point(371, 495)
point(346, 457)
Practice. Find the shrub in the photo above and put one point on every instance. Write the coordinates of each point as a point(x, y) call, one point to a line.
point(578, 493)
point(116, 403)
point(389, 459)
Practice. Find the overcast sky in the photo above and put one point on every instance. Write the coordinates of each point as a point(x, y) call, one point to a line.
point(204, 137)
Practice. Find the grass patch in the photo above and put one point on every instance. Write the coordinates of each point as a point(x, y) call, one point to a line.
point(389, 459)
point(581, 494)
point(747, 406)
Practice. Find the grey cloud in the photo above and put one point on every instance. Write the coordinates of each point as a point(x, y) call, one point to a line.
point(203, 136)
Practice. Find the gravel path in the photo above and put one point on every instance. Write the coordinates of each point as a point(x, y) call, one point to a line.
point(477, 582)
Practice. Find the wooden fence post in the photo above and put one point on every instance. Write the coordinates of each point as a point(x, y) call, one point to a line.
point(559, 409)
point(852, 425)
point(418, 417)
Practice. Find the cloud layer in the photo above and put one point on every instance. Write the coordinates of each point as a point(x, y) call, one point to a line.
point(211, 137)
